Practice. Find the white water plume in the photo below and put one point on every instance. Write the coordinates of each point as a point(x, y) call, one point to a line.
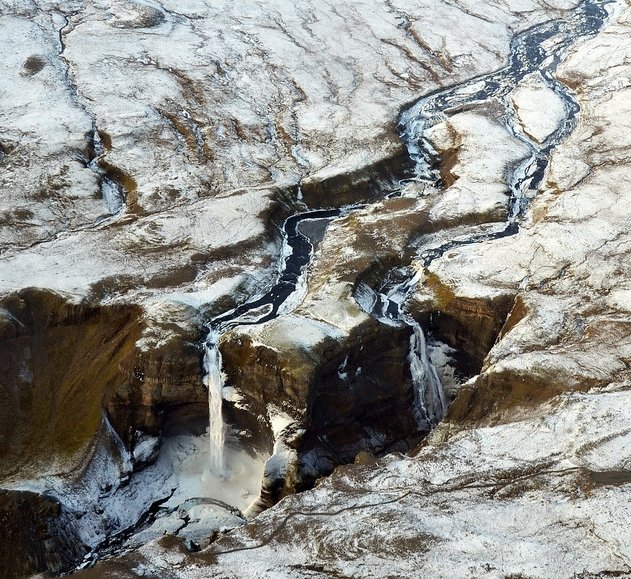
point(214, 383)
point(429, 395)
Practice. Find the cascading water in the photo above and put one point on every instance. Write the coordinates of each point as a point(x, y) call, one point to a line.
point(297, 251)
point(214, 383)
point(430, 404)
point(528, 54)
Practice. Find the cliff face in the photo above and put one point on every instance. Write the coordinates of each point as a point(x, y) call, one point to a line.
point(52, 387)
point(528, 473)
point(36, 535)
point(68, 363)
point(139, 211)
point(80, 380)
point(339, 396)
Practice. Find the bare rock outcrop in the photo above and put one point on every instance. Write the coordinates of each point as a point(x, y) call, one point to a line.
point(52, 391)
point(67, 363)
point(528, 474)
point(35, 536)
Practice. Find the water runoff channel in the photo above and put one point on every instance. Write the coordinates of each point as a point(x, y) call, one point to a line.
point(539, 49)
point(297, 252)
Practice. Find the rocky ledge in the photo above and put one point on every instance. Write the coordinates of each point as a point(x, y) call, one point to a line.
point(528, 474)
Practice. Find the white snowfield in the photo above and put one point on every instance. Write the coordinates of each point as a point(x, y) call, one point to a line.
point(539, 488)
point(182, 102)
point(539, 109)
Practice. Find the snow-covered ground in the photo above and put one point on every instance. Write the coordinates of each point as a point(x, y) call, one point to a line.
point(192, 499)
point(205, 117)
point(529, 474)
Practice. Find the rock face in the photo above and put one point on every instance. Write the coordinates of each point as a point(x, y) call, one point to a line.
point(149, 156)
point(48, 349)
point(35, 532)
point(528, 475)
point(342, 400)
point(66, 363)
point(69, 369)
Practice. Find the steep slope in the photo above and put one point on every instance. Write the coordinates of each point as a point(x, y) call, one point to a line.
point(177, 139)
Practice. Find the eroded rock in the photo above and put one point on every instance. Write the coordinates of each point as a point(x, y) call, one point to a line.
point(209, 129)
point(36, 536)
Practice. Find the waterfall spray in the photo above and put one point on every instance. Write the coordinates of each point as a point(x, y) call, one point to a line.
point(214, 383)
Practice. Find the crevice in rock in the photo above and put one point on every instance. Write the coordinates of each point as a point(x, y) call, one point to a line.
point(469, 326)
point(115, 186)
point(120, 186)
point(363, 185)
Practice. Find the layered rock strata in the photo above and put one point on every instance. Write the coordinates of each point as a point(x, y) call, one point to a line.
point(528, 474)
point(152, 203)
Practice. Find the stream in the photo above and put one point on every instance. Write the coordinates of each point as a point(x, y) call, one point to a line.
point(538, 49)
point(297, 253)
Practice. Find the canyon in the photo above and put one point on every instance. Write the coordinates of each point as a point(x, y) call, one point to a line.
point(315, 290)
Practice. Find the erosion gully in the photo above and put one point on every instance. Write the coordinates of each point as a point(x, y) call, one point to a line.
point(538, 49)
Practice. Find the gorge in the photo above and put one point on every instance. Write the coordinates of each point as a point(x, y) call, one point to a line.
point(315, 290)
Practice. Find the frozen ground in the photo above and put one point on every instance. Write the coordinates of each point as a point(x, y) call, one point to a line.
point(529, 473)
point(204, 118)
point(191, 500)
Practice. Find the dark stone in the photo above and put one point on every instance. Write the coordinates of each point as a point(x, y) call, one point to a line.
point(36, 536)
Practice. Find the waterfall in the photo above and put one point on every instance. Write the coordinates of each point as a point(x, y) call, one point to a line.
point(112, 195)
point(281, 298)
point(430, 404)
point(214, 383)
point(429, 396)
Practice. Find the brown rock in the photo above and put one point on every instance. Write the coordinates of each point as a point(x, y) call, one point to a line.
point(66, 363)
point(35, 536)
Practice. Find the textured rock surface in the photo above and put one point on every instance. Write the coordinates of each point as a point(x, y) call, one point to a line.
point(529, 473)
point(55, 349)
point(66, 363)
point(148, 155)
point(36, 534)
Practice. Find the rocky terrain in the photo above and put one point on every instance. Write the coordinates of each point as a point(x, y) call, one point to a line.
point(443, 353)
